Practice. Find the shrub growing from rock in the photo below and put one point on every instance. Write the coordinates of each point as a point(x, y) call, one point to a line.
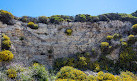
point(124, 44)
point(116, 36)
point(6, 43)
point(68, 31)
point(32, 25)
point(131, 39)
point(104, 44)
point(134, 27)
point(109, 37)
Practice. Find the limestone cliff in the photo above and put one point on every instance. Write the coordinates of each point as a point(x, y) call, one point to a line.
point(50, 37)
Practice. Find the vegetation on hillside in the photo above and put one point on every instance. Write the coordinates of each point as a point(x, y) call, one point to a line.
point(7, 17)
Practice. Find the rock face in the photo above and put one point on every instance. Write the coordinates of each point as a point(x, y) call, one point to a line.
point(0, 40)
point(50, 41)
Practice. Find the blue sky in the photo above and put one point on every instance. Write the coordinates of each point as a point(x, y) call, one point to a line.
point(36, 8)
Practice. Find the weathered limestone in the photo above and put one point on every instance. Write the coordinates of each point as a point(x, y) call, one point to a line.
point(36, 43)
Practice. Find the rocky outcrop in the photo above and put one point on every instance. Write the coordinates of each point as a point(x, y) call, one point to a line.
point(37, 43)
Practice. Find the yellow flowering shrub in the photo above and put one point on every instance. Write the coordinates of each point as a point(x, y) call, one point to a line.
point(6, 13)
point(131, 36)
point(109, 37)
point(12, 73)
point(32, 25)
point(35, 64)
point(116, 36)
point(109, 76)
point(68, 72)
point(69, 31)
point(128, 76)
point(134, 27)
point(6, 17)
point(64, 80)
point(6, 43)
point(6, 55)
point(104, 44)
point(124, 43)
point(101, 76)
point(5, 37)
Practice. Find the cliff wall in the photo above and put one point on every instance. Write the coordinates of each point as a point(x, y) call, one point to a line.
point(50, 42)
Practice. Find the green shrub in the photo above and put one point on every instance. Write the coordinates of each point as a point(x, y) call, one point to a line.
point(56, 19)
point(82, 62)
point(39, 72)
point(24, 19)
point(80, 18)
point(68, 72)
point(21, 38)
point(116, 36)
point(128, 54)
point(68, 31)
point(127, 76)
point(43, 19)
point(109, 37)
point(32, 25)
point(12, 73)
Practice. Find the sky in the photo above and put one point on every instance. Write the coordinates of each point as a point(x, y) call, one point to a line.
point(35, 8)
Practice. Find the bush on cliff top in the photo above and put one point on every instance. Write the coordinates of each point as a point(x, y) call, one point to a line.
point(6, 17)
point(43, 19)
point(56, 20)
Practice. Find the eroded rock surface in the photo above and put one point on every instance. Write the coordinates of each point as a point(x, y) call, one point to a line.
point(36, 43)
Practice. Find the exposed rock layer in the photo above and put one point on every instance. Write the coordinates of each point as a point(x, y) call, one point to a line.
point(36, 43)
